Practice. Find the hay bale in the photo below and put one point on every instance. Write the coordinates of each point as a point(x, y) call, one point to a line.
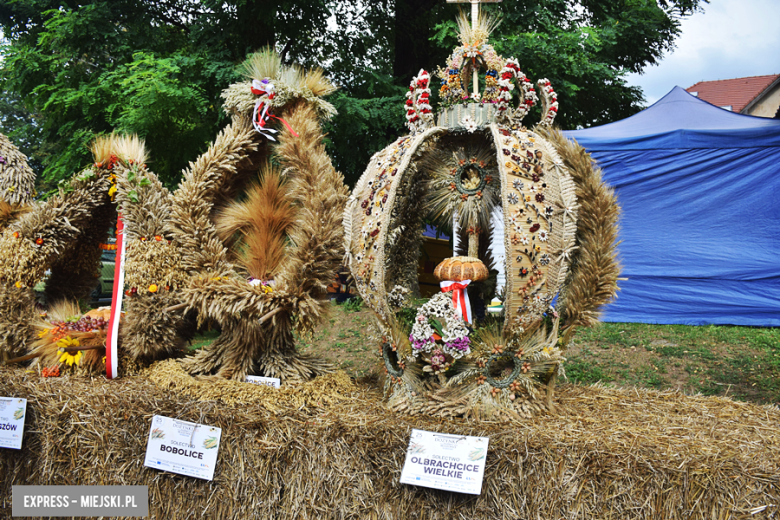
point(332, 450)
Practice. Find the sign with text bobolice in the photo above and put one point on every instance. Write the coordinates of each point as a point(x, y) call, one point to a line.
point(273, 382)
point(12, 413)
point(443, 461)
point(183, 447)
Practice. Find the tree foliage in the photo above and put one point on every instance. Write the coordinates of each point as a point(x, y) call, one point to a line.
point(75, 69)
point(585, 48)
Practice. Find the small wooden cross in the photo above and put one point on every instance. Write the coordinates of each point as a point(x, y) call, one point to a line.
point(474, 16)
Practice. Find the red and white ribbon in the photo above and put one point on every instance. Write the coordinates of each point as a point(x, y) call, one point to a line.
point(266, 90)
point(112, 355)
point(460, 297)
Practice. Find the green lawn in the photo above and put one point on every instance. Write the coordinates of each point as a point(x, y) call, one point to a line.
point(739, 362)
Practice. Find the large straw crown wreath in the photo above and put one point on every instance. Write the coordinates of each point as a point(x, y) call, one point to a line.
point(477, 163)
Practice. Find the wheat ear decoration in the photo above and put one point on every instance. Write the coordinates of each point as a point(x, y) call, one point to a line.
point(594, 271)
point(152, 259)
point(61, 235)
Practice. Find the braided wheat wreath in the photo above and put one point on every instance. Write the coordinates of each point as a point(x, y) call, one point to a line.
point(62, 236)
point(176, 259)
point(61, 239)
point(256, 324)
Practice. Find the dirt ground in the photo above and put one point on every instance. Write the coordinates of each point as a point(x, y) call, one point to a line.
point(346, 339)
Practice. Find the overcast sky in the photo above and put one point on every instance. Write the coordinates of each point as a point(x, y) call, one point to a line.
point(730, 39)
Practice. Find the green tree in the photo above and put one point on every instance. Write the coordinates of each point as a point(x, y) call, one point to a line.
point(151, 67)
point(22, 128)
point(80, 68)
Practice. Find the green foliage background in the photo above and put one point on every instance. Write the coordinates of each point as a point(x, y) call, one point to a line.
point(72, 70)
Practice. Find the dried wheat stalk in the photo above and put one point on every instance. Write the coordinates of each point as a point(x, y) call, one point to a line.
point(152, 260)
point(61, 235)
point(17, 180)
point(594, 271)
point(245, 346)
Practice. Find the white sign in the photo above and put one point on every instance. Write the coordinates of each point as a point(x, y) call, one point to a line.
point(448, 462)
point(12, 412)
point(264, 381)
point(182, 447)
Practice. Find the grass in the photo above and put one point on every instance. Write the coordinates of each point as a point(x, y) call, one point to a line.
point(204, 338)
point(344, 338)
point(739, 362)
point(353, 304)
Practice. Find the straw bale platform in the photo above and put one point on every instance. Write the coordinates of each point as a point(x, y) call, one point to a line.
point(332, 450)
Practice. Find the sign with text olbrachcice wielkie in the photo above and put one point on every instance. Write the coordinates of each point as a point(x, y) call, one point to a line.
point(183, 447)
point(443, 461)
point(12, 413)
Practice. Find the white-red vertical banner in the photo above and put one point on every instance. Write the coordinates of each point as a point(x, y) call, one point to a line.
point(116, 301)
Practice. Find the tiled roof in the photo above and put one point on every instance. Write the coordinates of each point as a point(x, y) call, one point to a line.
point(738, 92)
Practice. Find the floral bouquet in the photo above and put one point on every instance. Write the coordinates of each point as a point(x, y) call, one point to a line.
point(439, 334)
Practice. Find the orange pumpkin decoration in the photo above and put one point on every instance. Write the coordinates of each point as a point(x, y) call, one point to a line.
point(460, 268)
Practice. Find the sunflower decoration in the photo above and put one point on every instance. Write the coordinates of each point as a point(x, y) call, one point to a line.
point(463, 182)
point(112, 189)
point(68, 356)
point(66, 338)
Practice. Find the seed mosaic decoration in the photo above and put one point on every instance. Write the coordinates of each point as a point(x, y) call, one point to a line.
point(559, 234)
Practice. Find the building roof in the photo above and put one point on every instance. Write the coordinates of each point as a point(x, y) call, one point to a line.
point(736, 93)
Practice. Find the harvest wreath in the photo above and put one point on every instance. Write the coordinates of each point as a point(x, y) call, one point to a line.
point(58, 239)
point(248, 246)
point(559, 224)
point(58, 245)
point(255, 257)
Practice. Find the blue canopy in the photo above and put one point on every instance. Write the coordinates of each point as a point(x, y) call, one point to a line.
point(699, 189)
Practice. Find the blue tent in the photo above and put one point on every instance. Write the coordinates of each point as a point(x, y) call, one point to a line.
point(700, 192)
